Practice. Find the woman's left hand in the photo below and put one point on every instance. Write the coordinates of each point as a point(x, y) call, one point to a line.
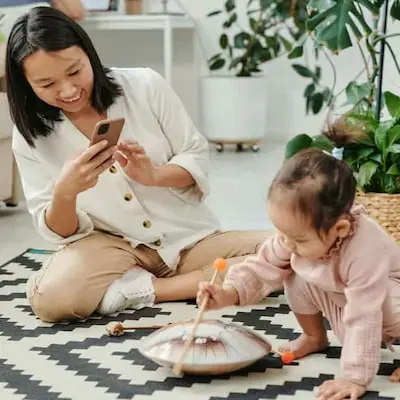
point(136, 164)
point(339, 389)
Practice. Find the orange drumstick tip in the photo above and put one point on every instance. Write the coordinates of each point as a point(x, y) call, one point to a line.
point(220, 264)
point(287, 357)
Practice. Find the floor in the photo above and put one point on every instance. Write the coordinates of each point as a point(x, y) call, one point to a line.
point(78, 360)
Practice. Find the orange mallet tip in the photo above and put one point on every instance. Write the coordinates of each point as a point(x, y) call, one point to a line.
point(220, 264)
point(287, 357)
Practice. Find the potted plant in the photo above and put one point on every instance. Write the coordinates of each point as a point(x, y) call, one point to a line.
point(375, 155)
point(233, 102)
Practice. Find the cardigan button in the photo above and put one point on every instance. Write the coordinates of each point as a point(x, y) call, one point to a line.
point(147, 224)
point(128, 197)
point(157, 243)
point(113, 169)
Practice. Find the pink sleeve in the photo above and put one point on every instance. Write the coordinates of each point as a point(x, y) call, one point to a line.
point(258, 275)
point(366, 289)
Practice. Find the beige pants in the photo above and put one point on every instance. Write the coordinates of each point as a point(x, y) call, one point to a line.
point(74, 280)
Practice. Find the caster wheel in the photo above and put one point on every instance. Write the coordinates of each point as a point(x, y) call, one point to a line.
point(220, 147)
point(255, 148)
point(239, 147)
point(9, 204)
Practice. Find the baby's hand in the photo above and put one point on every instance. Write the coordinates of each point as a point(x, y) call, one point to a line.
point(340, 389)
point(218, 296)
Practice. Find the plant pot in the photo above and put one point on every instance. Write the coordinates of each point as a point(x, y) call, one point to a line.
point(233, 109)
point(133, 7)
point(384, 208)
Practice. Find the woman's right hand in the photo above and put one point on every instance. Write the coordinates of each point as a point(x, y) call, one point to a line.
point(82, 172)
point(219, 297)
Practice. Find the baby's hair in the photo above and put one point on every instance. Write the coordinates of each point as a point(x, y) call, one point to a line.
point(318, 186)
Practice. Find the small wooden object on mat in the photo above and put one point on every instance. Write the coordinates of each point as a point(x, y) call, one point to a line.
point(384, 208)
point(117, 329)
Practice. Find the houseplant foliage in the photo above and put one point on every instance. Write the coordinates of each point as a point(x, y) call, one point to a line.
point(333, 26)
point(374, 156)
point(272, 27)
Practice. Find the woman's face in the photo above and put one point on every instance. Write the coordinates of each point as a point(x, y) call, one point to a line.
point(63, 79)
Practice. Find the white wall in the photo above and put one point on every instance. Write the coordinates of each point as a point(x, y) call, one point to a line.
point(286, 106)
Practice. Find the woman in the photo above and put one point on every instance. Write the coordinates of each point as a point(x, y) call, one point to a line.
point(134, 228)
point(10, 10)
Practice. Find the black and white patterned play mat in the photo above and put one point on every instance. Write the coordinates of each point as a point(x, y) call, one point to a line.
point(78, 360)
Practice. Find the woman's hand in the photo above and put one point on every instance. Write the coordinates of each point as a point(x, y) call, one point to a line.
point(82, 172)
point(339, 389)
point(136, 164)
point(218, 296)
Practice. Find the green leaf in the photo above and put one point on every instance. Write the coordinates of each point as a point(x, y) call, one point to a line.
point(323, 143)
point(395, 10)
point(214, 57)
point(394, 170)
point(389, 184)
point(393, 134)
point(253, 24)
point(241, 40)
point(217, 64)
point(364, 153)
point(332, 25)
point(296, 52)
point(212, 13)
point(230, 5)
point(394, 148)
point(298, 48)
point(232, 19)
point(381, 137)
point(356, 92)
point(303, 71)
point(286, 44)
point(273, 44)
point(377, 157)
point(235, 62)
point(318, 73)
point(296, 144)
point(366, 172)
point(393, 104)
point(317, 102)
point(310, 89)
point(223, 41)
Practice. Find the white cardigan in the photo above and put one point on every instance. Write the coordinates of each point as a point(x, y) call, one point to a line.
point(165, 219)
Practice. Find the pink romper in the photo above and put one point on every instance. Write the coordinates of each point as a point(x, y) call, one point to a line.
point(357, 289)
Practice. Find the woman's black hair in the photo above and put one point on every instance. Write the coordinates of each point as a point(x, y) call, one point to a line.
point(45, 28)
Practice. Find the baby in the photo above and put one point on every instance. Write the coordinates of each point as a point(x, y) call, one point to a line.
point(333, 261)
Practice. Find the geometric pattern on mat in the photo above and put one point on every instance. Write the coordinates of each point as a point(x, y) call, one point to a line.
point(77, 360)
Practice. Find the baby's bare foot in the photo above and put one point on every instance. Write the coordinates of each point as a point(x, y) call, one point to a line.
point(395, 377)
point(305, 345)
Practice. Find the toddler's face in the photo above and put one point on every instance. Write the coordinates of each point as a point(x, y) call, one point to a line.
point(298, 234)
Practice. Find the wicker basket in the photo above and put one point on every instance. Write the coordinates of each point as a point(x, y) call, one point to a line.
point(384, 208)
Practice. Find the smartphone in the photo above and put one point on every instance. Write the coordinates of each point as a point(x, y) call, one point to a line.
point(108, 129)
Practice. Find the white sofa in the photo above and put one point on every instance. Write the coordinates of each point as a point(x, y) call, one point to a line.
point(9, 179)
